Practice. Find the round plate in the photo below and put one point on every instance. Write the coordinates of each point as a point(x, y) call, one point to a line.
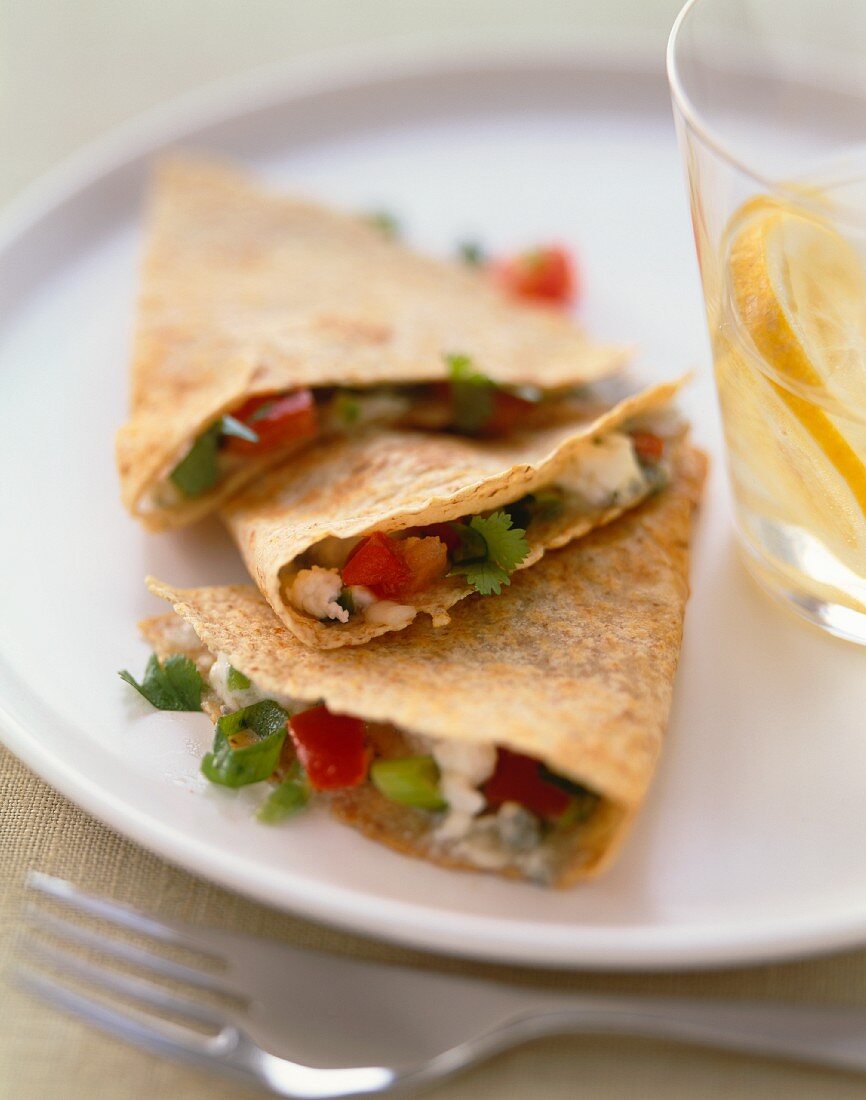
point(750, 845)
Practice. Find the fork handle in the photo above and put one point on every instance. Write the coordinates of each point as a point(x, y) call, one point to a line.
point(826, 1035)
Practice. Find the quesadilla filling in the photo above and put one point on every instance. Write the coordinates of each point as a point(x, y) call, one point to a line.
point(383, 577)
point(481, 804)
point(269, 426)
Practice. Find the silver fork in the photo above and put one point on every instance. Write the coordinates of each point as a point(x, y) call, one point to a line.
point(309, 1025)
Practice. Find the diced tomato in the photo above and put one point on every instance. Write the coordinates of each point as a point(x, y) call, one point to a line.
point(393, 569)
point(276, 419)
point(517, 778)
point(427, 559)
point(648, 447)
point(332, 748)
point(377, 563)
point(509, 412)
point(543, 275)
point(443, 531)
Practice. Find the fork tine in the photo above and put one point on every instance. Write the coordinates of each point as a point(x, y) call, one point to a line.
point(161, 1036)
point(145, 992)
point(119, 949)
point(70, 895)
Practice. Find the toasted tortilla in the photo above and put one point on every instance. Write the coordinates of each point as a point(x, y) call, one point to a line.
point(387, 481)
point(245, 292)
point(574, 664)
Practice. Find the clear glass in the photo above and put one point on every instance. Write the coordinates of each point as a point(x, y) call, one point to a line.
point(770, 104)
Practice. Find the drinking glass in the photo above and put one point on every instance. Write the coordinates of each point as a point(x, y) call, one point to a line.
point(770, 105)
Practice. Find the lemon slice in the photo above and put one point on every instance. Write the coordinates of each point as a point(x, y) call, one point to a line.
point(790, 366)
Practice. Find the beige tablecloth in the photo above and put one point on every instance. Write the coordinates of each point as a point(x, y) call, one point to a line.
point(46, 1054)
point(67, 71)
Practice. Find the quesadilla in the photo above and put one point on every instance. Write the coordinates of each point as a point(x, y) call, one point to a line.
point(520, 741)
point(266, 322)
point(358, 537)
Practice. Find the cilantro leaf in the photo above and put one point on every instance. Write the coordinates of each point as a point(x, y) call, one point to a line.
point(197, 472)
point(471, 394)
point(286, 799)
point(385, 222)
point(174, 685)
point(506, 544)
point(236, 681)
point(471, 547)
point(505, 548)
point(230, 425)
point(485, 576)
point(252, 763)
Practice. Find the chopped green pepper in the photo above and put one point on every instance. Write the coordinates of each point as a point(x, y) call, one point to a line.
point(286, 799)
point(238, 767)
point(236, 681)
point(409, 780)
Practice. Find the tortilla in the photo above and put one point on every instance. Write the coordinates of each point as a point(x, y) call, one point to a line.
point(386, 481)
point(244, 293)
point(574, 664)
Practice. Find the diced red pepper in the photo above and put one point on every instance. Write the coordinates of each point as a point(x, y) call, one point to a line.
point(276, 419)
point(647, 446)
point(332, 748)
point(376, 562)
point(543, 275)
point(517, 778)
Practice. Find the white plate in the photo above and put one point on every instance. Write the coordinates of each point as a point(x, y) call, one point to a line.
point(750, 845)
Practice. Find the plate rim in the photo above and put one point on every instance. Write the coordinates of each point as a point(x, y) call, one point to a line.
point(598, 946)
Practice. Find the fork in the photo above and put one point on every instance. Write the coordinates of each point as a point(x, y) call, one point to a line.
point(309, 1025)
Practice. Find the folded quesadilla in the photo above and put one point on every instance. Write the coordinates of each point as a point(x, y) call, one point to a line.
point(521, 740)
point(361, 535)
point(266, 322)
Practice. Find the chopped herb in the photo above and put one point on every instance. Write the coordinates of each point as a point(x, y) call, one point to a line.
point(198, 472)
point(229, 425)
point(174, 685)
point(485, 576)
point(384, 221)
point(236, 681)
point(471, 253)
point(348, 407)
point(286, 799)
point(505, 548)
point(346, 600)
point(237, 767)
point(409, 780)
point(472, 546)
point(548, 504)
point(471, 394)
point(522, 511)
